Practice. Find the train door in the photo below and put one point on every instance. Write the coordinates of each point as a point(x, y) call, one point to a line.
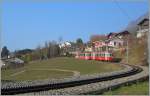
point(106, 56)
point(103, 56)
point(93, 55)
point(96, 56)
point(99, 56)
point(85, 56)
point(110, 57)
point(81, 56)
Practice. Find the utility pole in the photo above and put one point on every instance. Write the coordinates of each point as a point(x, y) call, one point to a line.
point(107, 47)
point(127, 52)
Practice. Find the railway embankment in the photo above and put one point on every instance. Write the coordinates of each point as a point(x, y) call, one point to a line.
point(99, 87)
point(87, 84)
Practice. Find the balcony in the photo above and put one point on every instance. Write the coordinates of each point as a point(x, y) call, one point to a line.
point(142, 30)
point(140, 33)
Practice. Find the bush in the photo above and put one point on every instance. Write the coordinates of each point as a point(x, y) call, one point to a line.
point(68, 54)
point(26, 58)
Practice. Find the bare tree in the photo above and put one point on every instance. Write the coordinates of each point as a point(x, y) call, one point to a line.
point(97, 38)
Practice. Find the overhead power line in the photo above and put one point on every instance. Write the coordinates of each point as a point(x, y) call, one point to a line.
point(122, 10)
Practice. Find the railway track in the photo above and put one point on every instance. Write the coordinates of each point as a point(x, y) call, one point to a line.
point(52, 86)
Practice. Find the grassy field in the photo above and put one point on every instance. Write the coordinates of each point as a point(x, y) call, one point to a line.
point(45, 69)
point(38, 74)
point(136, 89)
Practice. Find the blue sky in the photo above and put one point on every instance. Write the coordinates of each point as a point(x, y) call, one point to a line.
point(26, 25)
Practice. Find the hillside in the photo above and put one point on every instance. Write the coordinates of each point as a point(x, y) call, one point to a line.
point(138, 51)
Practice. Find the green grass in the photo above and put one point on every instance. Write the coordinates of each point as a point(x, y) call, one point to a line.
point(141, 88)
point(38, 74)
point(64, 63)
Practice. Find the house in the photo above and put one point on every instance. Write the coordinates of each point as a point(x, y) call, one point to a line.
point(115, 42)
point(122, 34)
point(102, 46)
point(88, 49)
point(13, 63)
point(97, 37)
point(11, 55)
point(15, 60)
point(99, 43)
point(111, 35)
point(68, 47)
point(65, 44)
point(143, 27)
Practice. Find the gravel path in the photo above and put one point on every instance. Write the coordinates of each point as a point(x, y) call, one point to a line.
point(75, 73)
point(18, 73)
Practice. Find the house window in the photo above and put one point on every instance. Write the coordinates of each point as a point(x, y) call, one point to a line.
point(115, 43)
point(119, 44)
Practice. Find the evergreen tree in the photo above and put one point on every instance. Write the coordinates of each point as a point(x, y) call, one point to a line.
point(5, 52)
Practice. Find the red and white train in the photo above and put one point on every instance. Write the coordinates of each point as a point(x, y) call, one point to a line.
point(102, 56)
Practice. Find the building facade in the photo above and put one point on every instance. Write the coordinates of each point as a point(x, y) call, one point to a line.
point(143, 28)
